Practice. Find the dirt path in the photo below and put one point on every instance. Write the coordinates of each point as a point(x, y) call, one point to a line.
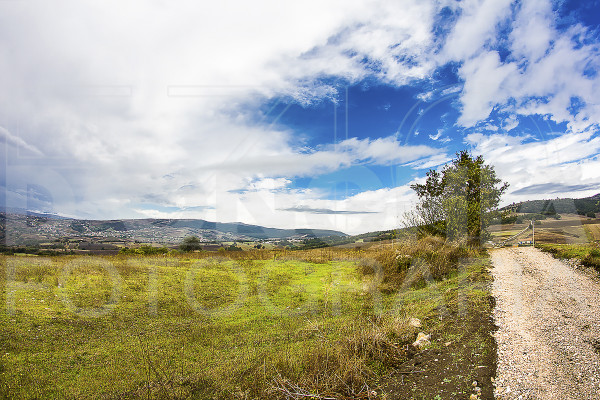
point(548, 316)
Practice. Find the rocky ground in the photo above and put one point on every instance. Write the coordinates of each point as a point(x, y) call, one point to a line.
point(548, 337)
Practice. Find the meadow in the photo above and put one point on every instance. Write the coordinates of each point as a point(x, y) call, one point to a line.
point(587, 254)
point(325, 323)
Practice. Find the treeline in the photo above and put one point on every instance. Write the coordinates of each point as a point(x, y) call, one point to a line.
point(316, 243)
point(34, 250)
point(144, 250)
point(519, 219)
point(589, 205)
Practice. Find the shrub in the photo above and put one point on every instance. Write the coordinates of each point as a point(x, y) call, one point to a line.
point(431, 256)
point(190, 243)
point(144, 250)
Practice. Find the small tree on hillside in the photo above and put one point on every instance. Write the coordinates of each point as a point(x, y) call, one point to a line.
point(459, 201)
point(190, 243)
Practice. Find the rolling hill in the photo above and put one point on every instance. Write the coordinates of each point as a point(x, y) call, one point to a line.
point(24, 229)
point(580, 206)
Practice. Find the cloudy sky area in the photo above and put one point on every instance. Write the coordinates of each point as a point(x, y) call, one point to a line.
point(291, 114)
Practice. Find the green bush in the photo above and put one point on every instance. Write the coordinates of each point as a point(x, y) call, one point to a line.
point(144, 250)
point(190, 243)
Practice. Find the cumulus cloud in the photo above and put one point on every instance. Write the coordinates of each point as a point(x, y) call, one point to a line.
point(484, 76)
point(151, 95)
point(384, 151)
point(565, 164)
point(162, 97)
point(544, 70)
point(476, 27)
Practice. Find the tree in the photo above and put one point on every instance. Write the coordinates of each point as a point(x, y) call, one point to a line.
point(459, 202)
point(190, 243)
point(549, 209)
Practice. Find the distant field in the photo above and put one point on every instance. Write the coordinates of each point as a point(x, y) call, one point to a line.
point(571, 228)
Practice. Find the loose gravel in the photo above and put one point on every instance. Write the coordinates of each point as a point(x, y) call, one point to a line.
point(548, 318)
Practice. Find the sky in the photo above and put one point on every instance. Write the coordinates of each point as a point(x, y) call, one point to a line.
point(313, 114)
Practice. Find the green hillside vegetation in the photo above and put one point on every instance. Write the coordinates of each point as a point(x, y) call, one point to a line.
point(511, 218)
point(326, 241)
point(583, 206)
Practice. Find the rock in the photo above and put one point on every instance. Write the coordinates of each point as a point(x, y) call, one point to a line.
point(415, 322)
point(422, 340)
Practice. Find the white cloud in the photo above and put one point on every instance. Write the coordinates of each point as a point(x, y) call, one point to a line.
point(18, 143)
point(484, 77)
point(426, 96)
point(269, 184)
point(436, 136)
point(156, 97)
point(491, 127)
point(533, 30)
point(543, 72)
point(565, 160)
point(475, 28)
point(510, 123)
point(384, 151)
point(431, 162)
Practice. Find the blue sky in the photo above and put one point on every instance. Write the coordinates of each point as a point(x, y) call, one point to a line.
point(318, 114)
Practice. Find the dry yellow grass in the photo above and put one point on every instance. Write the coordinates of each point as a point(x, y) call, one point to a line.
point(594, 230)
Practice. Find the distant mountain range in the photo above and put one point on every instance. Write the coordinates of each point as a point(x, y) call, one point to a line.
point(581, 206)
point(18, 227)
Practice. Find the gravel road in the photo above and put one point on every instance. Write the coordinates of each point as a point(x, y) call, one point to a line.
point(548, 314)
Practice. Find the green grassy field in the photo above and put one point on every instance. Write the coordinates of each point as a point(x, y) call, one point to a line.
point(587, 254)
point(250, 325)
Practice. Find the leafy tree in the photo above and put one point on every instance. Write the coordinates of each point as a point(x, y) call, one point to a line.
point(190, 243)
point(459, 202)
